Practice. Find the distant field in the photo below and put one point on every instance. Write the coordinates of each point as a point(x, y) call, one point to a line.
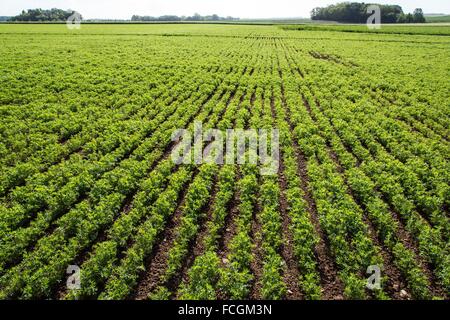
point(422, 29)
point(87, 178)
point(434, 19)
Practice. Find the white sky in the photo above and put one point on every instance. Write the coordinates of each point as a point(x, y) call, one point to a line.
point(124, 9)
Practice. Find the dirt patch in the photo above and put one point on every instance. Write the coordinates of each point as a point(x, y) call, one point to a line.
point(332, 58)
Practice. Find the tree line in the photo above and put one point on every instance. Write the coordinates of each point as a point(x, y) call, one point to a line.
point(195, 17)
point(355, 12)
point(62, 15)
point(43, 15)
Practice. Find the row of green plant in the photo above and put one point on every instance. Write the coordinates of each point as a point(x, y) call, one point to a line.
point(431, 244)
point(32, 141)
point(17, 241)
point(340, 217)
point(304, 234)
point(78, 228)
point(428, 202)
point(123, 279)
point(377, 210)
point(205, 272)
point(59, 188)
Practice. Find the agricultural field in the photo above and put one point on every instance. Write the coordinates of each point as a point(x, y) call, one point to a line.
point(87, 178)
point(437, 29)
point(437, 18)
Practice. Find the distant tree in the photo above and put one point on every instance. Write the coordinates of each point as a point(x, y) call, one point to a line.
point(43, 15)
point(390, 13)
point(418, 16)
point(195, 17)
point(401, 18)
point(356, 12)
point(169, 18)
point(409, 18)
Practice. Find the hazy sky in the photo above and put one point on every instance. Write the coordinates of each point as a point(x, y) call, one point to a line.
point(124, 9)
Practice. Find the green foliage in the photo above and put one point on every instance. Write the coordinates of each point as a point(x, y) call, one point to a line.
point(386, 29)
point(354, 12)
point(203, 277)
point(354, 287)
point(437, 18)
point(43, 15)
point(86, 175)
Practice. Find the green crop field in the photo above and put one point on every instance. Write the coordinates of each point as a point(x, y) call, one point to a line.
point(438, 18)
point(87, 179)
point(442, 29)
